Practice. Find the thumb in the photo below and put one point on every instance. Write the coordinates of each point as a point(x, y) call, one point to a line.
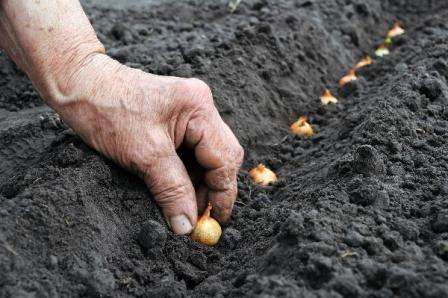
point(173, 191)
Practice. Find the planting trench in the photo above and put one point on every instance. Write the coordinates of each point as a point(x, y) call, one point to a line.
point(360, 209)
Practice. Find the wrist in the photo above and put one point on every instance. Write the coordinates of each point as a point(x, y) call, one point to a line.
point(60, 82)
point(49, 40)
point(82, 91)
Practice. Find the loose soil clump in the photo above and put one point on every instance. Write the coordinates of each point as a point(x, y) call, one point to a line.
point(360, 208)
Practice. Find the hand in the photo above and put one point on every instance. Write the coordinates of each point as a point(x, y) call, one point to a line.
point(139, 120)
point(134, 118)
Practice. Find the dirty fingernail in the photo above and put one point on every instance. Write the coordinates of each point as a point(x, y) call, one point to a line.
point(180, 225)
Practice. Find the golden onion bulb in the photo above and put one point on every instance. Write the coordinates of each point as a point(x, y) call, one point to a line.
point(382, 51)
point(262, 175)
point(350, 76)
point(302, 128)
point(328, 98)
point(207, 230)
point(364, 62)
point(395, 31)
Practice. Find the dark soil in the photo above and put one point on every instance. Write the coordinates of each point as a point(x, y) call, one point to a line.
point(361, 209)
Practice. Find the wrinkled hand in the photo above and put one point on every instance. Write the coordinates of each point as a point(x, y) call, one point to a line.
point(139, 120)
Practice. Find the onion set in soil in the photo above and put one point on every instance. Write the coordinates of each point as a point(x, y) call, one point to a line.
point(207, 229)
point(302, 128)
point(395, 31)
point(328, 98)
point(262, 175)
point(382, 51)
point(349, 77)
point(363, 62)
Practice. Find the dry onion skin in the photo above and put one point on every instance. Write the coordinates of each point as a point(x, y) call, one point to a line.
point(395, 31)
point(207, 229)
point(262, 175)
point(363, 62)
point(328, 98)
point(302, 128)
point(349, 77)
point(382, 51)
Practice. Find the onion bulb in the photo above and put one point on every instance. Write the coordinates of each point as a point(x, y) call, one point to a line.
point(262, 175)
point(382, 51)
point(395, 31)
point(363, 62)
point(349, 77)
point(327, 98)
point(207, 230)
point(301, 128)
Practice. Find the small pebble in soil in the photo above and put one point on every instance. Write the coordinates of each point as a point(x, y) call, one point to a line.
point(367, 161)
point(346, 285)
point(291, 229)
point(391, 240)
point(354, 239)
point(440, 223)
point(152, 234)
point(230, 238)
point(53, 261)
point(431, 88)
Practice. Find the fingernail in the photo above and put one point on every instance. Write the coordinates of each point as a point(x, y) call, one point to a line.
point(180, 224)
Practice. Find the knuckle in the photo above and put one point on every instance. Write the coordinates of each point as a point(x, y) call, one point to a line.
point(200, 91)
point(199, 85)
point(196, 90)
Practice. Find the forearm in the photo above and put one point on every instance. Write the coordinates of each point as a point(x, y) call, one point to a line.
point(49, 40)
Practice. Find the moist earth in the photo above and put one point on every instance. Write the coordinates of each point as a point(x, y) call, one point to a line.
point(360, 209)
